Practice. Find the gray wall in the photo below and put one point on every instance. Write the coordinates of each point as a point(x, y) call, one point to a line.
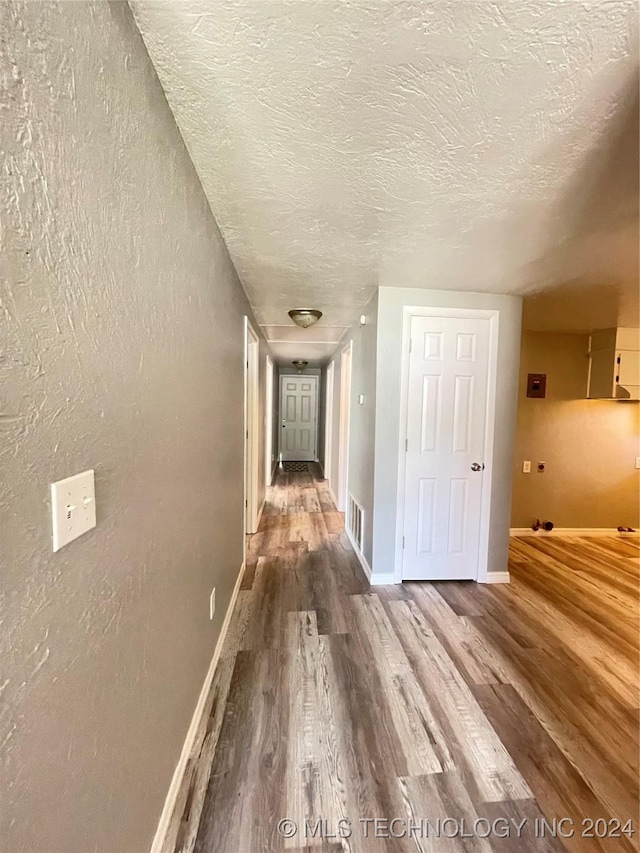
point(362, 426)
point(331, 470)
point(122, 351)
point(390, 309)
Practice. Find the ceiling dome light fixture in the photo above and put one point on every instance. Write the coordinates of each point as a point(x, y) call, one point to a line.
point(300, 364)
point(305, 317)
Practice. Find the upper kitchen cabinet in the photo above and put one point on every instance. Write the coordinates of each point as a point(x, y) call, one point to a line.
point(614, 364)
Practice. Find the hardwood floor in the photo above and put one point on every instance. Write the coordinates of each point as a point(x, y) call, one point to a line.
point(501, 705)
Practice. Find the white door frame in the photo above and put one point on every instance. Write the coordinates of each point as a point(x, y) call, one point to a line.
point(345, 418)
point(485, 510)
point(328, 423)
point(251, 426)
point(268, 426)
point(315, 380)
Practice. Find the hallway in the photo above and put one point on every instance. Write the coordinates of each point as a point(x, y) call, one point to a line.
point(332, 233)
point(417, 702)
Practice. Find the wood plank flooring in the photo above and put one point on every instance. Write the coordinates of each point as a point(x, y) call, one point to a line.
point(487, 708)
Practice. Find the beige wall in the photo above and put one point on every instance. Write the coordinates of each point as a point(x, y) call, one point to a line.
point(122, 350)
point(589, 446)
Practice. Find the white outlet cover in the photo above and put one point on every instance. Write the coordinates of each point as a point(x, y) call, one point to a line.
point(526, 467)
point(73, 508)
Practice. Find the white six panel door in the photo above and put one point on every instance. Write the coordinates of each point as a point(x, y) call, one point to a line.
point(298, 413)
point(447, 400)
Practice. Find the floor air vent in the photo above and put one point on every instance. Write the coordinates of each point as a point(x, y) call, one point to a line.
point(355, 515)
point(295, 467)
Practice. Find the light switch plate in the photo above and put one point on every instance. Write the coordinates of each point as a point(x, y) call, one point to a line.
point(73, 508)
point(526, 466)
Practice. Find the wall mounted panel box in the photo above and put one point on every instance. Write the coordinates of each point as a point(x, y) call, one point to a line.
point(614, 364)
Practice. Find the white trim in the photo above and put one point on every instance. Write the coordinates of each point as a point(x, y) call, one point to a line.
point(334, 498)
point(273, 473)
point(178, 773)
point(329, 385)
point(382, 579)
point(268, 421)
point(493, 315)
point(251, 434)
point(496, 577)
point(363, 561)
point(569, 531)
point(346, 361)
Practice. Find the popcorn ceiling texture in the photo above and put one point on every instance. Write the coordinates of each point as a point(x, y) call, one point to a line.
point(345, 145)
point(122, 344)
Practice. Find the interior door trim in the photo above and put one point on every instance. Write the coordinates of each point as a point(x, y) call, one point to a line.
point(410, 311)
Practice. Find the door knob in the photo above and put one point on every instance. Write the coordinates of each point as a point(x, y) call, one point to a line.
point(476, 466)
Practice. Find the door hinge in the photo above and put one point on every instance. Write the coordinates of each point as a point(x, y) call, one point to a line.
point(246, 504)
point(406, 445)
point(403, 543)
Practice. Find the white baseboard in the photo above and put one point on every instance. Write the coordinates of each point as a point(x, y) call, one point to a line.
point(497, 577)
point(176, 781)
point(568, 531)
point(382, 579)
point(333, 497)
point(365, 566)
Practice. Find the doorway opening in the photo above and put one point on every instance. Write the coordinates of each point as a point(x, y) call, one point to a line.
point(251, 427)
point(298, 418)
point(345, 417)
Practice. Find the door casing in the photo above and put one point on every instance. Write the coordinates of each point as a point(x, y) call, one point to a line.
point(345, 420)
point(251, 426)
point(485, 507)
point(268, 425)
point(328, 429)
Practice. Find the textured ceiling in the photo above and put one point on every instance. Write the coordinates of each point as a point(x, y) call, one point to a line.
point(445, 144)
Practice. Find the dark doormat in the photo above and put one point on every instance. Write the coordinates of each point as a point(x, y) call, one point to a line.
point(296, 467)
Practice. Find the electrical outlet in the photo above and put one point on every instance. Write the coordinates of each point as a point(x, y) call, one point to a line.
point(526, 466)
point(637, 461)
point(212, 603)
